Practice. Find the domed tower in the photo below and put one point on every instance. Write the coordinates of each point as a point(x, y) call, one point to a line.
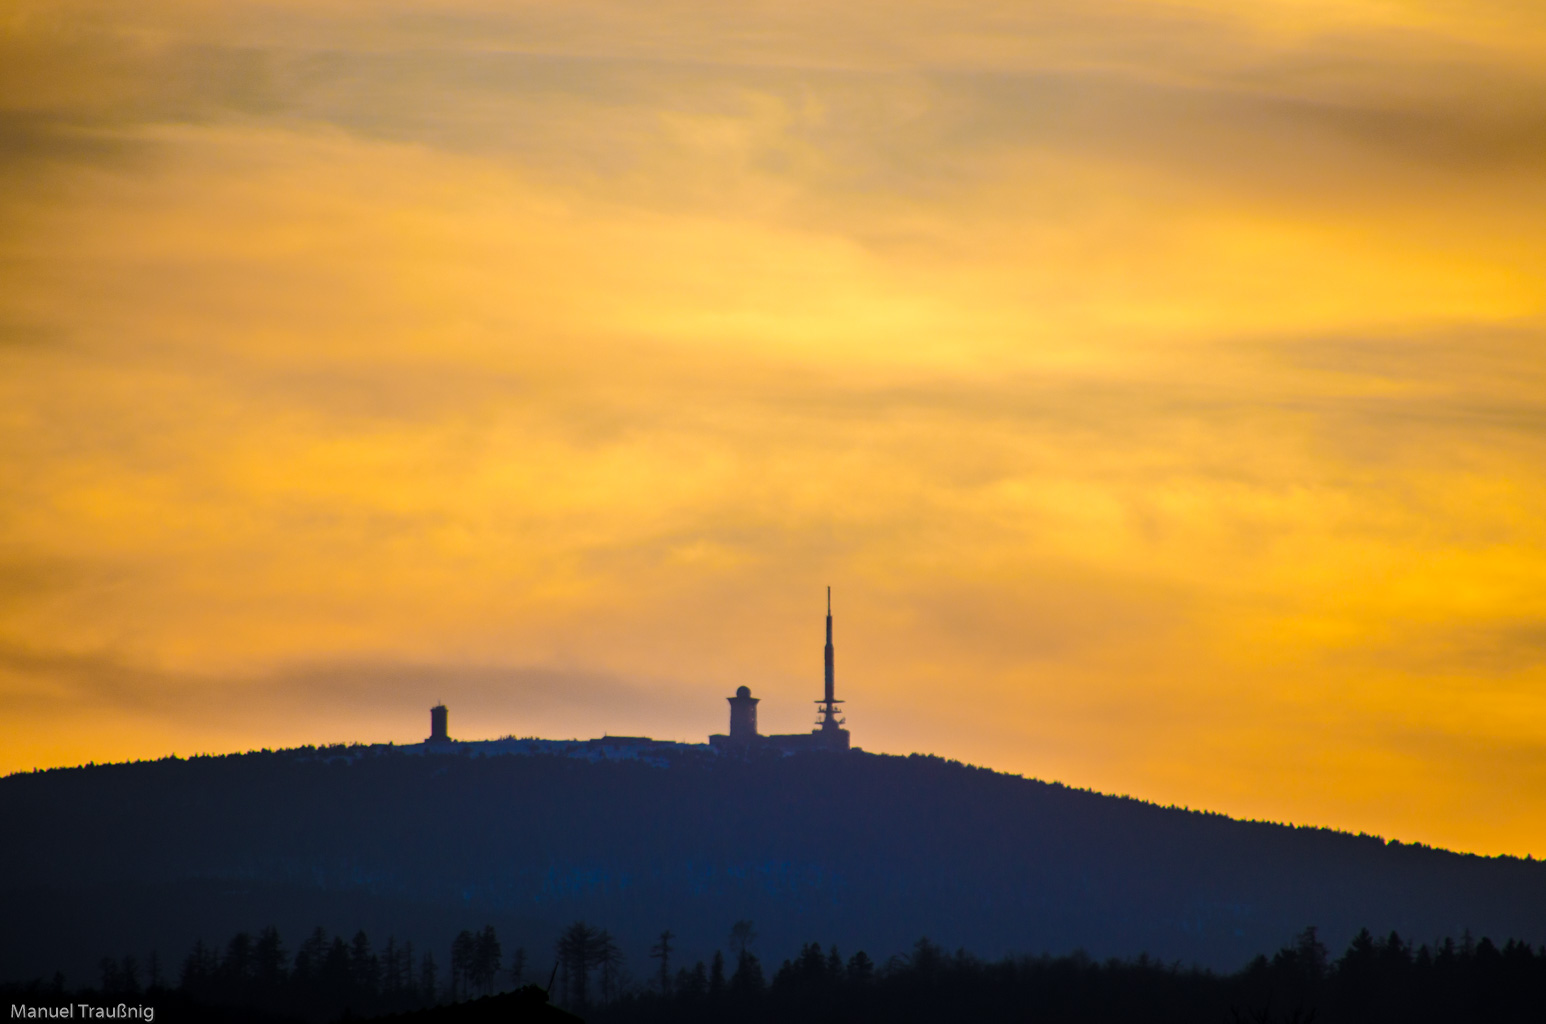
point(743, 716)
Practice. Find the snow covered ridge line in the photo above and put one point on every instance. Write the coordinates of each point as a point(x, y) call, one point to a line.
point(67, 1011)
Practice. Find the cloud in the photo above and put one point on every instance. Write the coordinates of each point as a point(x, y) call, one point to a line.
point(1165, 375)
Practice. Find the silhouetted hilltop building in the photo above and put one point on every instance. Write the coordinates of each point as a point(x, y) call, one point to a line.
point(439, 733)
point(743, 716)
point(829, 733)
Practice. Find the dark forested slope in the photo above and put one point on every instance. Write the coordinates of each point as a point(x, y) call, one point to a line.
point(865, 851)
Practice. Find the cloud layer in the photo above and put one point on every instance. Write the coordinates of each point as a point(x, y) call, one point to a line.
point(1160, 386)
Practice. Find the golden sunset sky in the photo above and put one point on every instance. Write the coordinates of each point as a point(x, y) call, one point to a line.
point(1161, 387)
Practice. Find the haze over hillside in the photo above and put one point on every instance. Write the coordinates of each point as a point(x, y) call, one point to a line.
point(862, 850)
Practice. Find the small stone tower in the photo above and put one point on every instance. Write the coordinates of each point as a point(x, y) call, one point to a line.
point(438, 731)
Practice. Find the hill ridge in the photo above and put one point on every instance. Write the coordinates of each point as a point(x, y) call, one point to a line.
point(867, 850)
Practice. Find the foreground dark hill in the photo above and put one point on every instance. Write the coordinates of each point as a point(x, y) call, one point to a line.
point(859, 850)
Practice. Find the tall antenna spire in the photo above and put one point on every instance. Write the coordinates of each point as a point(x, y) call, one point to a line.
point(829, 733)
point(829, 701)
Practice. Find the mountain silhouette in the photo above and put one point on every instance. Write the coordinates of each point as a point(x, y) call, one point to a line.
point(866, 851)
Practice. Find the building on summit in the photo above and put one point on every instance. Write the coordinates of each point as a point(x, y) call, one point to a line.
point(829, 733)
point(439, 734)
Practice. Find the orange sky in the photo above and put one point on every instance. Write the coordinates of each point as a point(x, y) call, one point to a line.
point(1160, 386)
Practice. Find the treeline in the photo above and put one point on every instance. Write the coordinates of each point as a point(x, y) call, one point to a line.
point(325, 976)
point(1373, 982)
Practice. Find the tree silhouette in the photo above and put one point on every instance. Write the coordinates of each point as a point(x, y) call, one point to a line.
point(742, 935)
point(364, 968)
point(268, 959)
point(463, 949)
point(198, 971)
point(609, 960)
point(409, 985)
point(307, 970)
point(861, 969)
point(337, 975)
point(237, 967)
point(111, 975)
point(747, 981)
point(486, 960)
point(927, 958)
point(693, 984)
point(129, 974)
point(427, 982)
point(518, 967)
point(662, 951)
point(391, 969)
point(579, 953)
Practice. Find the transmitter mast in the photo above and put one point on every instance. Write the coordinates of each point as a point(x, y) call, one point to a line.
point(830, 724)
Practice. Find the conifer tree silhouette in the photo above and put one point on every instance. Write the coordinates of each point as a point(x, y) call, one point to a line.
point(463, 949)
point(662, 951)
point(108, 966)
point(609, 961)
point(428, 991)
point(486, 960)
point(579, 953)
point(269, 960)
point(717, 975)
